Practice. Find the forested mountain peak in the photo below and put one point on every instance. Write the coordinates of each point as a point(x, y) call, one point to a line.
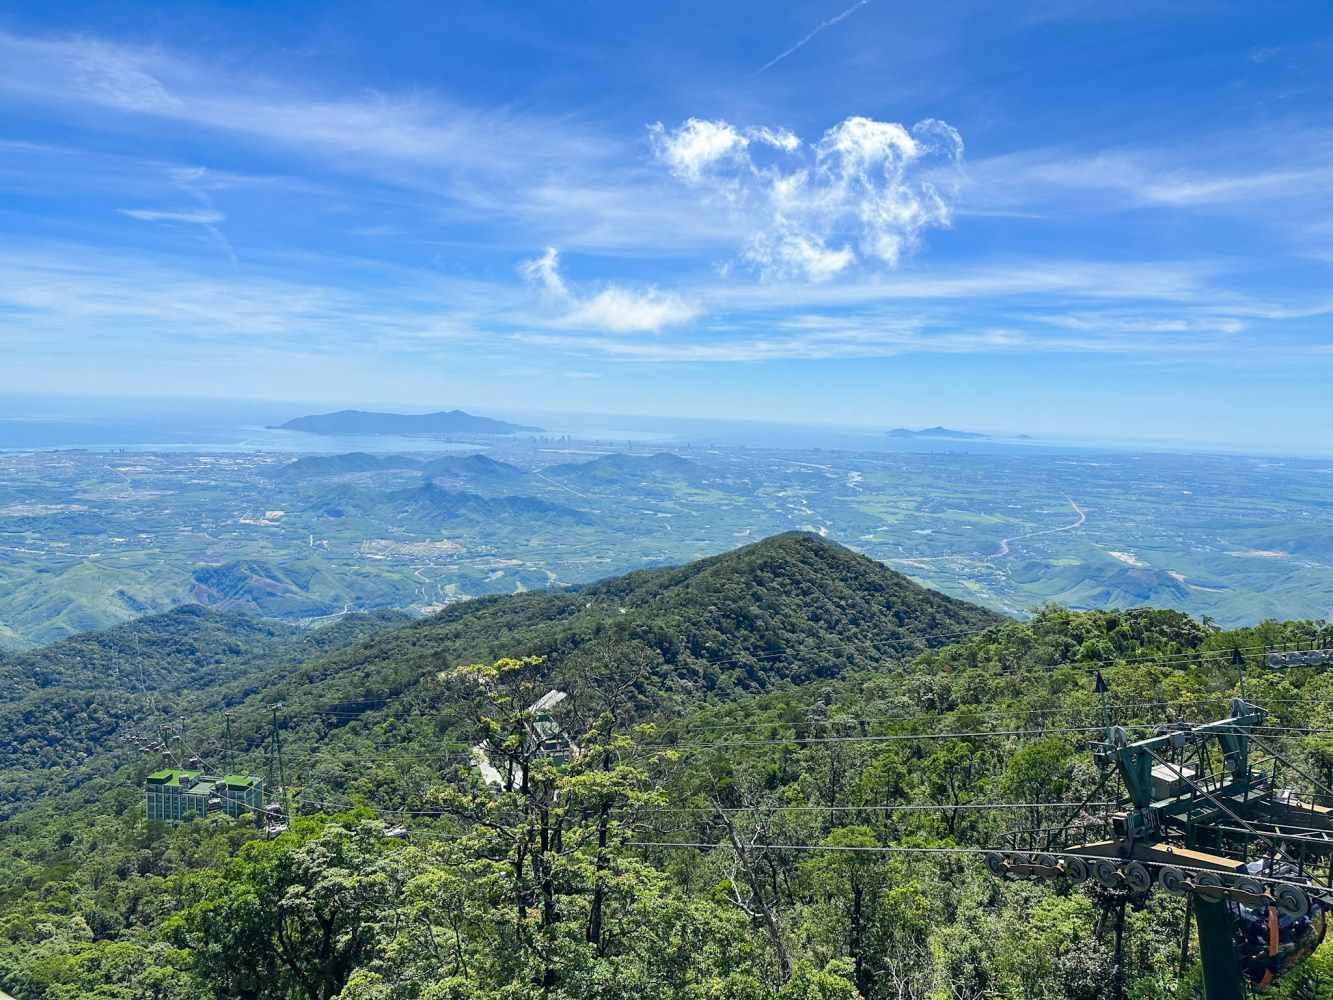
point(315, 466)
point(154, 645)
point(621, 466)
point(477, 464)
point(784, 610)
point(431, 500)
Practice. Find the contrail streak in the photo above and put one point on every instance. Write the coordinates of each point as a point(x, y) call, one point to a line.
point(818, 28)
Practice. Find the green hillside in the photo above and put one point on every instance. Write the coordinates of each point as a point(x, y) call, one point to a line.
point(620, 469)
point(788, 693)
point(354, 463)
point(69, 703)
point(476, 471)
point(152, 653)
point(786, 610)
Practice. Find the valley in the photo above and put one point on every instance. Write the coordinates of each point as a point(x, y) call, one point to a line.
point(94, 538)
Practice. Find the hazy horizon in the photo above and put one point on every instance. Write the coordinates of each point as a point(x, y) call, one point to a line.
point(592, 425)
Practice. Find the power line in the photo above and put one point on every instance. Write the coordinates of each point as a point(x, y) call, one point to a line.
point(942, 851)
point(909, 807)
point(894, 737)
point(834, 721)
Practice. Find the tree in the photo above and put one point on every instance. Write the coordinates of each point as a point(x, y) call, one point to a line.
point(848, 876)
point(294, 917)
point(544, 847)
point(1039, 771)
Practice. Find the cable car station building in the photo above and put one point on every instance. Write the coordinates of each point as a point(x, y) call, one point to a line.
point(173, 795)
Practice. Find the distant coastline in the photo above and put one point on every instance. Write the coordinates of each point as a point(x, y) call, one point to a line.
point(345, 422)
point(949, 433)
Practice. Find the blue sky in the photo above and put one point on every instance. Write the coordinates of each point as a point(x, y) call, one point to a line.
point(1064, 218)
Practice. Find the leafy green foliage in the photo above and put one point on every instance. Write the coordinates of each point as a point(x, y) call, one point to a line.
point(788, 695)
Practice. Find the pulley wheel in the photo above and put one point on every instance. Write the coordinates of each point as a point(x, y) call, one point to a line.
point(1049, 861)
point(1137, 877)
point(1076, 869)
point(1107, 873)
point(995, 864)
point(1172, 879)
point(1251, 886)
point(1209, 887)
point(1292, 901)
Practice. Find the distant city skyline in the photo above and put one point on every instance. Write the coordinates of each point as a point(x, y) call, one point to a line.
point(1043, 218)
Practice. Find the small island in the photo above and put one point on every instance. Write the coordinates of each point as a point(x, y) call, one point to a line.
point(937, 432)
point(403, 424)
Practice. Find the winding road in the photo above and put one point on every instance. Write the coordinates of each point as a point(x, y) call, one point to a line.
point(1003, 550)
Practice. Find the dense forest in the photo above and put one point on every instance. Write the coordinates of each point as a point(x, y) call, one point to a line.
point(781, 754)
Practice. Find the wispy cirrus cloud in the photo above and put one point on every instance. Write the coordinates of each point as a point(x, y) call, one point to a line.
point(381, 128)
point(453, 194)
point(197, 216)
point(104, 73)
point(1219, 174)
point(54, 298)
point(880, 334)
point(819, 341)
point(204, 214)
point(861, 195)
point(614, 308)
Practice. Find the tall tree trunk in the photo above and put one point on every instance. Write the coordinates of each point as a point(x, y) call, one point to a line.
point(1120, 951)
point(759, 905)
point(858, 959)
point(598, 888)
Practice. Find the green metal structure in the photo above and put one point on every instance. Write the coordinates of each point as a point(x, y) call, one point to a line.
point(1204, 815)
point(173, 795)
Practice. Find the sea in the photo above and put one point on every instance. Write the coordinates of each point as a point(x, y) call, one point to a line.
point(31, 422)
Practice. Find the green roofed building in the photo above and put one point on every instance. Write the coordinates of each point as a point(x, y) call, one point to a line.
point(173, 795)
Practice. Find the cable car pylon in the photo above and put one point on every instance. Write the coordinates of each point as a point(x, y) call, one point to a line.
point(1203, 818)
point(277, 815)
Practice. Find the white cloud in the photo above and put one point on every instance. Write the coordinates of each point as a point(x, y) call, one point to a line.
point(113, 79)
point(1116, 322)
point(818, 340)
point(698, 147)
point(614, 308)
point(623, 311)
point(861, 195)
point(1220, 172)
point(545, 271)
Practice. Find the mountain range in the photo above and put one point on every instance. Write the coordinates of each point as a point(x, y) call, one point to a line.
point(789, 692)
point(787, 610)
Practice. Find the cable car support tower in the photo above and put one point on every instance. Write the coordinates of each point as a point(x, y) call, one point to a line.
point(1204, 815)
